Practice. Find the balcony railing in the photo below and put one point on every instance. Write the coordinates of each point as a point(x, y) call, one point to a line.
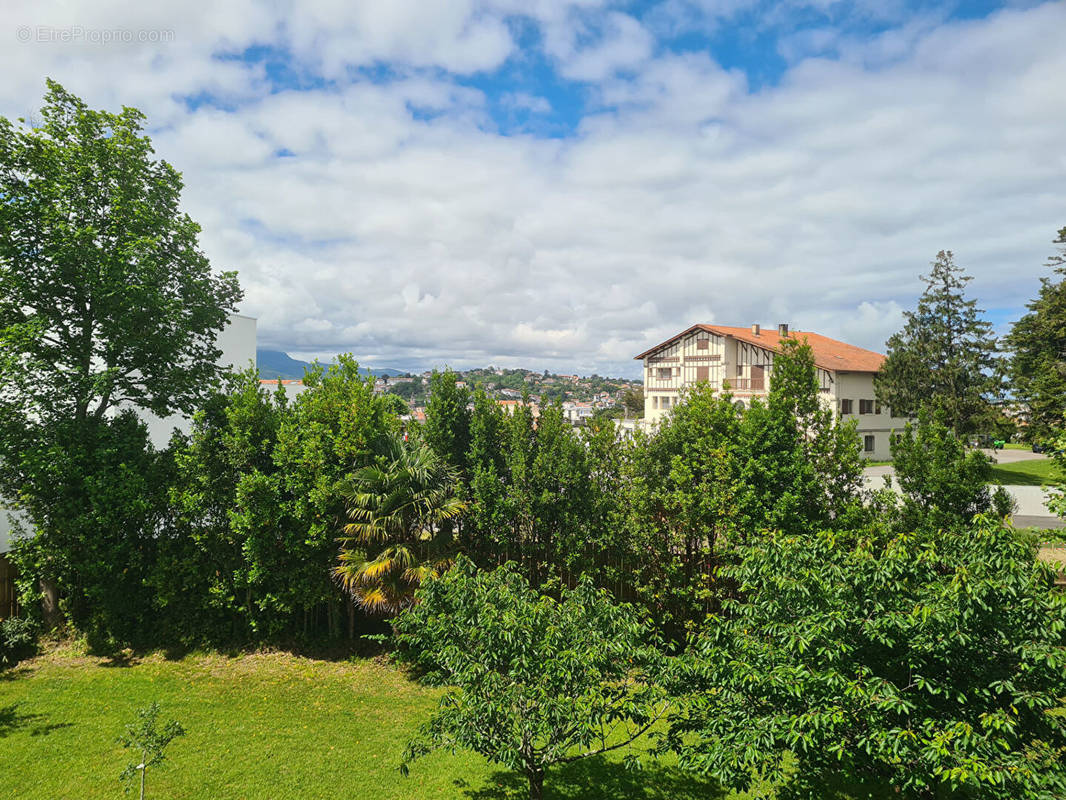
point(746, 384)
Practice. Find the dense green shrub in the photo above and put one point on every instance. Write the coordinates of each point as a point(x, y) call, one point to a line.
point(926, 662)
point(943, 483)
point(18, 639)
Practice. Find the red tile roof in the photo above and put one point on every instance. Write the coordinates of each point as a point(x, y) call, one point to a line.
point(828, 353)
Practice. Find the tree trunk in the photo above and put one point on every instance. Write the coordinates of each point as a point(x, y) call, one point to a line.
point(536, 784)
point(50, 603)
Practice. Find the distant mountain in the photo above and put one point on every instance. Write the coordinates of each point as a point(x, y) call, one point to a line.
point(276, 364)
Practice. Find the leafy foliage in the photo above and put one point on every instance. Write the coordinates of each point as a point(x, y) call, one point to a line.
point(943, 484)
point(538, 681)
point(18, 639)
point(98, 492)
point(106, 303)
point(945, 355)
point(214, 573)
point(447, 428)
point(396, 539)
point(1038, 345)
point(928, 663)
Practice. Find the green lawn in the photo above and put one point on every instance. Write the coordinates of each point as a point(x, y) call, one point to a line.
point(1026, 473)
point(260, 726)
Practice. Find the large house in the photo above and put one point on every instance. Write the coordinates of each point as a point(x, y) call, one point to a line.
point(743, 358)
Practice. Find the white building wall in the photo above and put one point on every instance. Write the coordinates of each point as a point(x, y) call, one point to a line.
point(237, 342)
point(856, 386)
point(668, 370)
point(6, 532)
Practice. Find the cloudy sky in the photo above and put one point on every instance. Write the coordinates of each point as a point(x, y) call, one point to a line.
point(562, 183)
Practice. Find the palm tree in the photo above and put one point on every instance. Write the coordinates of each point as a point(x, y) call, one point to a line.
point(397, 535)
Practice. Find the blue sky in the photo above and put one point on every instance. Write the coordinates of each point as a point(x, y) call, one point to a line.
point(561, 183)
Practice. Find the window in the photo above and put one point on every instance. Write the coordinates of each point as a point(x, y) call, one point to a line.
point(845, 406)
point(703, 373)
point(868, 444)
point(866, 406)
point(703, 344)
point(666, 402)
point(666, 372)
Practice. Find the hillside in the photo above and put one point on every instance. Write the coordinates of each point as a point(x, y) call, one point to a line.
point(277, 364)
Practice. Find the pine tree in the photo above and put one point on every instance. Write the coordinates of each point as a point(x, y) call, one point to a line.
point(1038, 342)
point(945, 356)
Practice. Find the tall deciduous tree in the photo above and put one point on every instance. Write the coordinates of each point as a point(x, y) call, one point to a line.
point(106, 301)
point(945, 354)
point(447, 428)
point(1038, 345)
point(105, 295)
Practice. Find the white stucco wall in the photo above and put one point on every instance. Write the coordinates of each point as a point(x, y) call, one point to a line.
point(856, 386)
point(6, 532)
point(237, 343)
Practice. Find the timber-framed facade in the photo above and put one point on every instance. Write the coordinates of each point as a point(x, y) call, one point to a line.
point(740, 361)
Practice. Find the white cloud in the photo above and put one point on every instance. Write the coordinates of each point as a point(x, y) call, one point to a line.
point(429, 237)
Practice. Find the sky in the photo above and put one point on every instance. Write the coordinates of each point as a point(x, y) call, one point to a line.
point(563, 184)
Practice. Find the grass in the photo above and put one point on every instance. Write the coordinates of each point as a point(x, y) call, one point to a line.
point(262, 726)
point(1036, 472)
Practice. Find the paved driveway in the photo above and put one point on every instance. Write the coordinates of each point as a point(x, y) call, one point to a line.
point(1032, 508)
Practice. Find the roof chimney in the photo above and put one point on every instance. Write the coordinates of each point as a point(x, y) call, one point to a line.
point(782, 329)
point(755, 328)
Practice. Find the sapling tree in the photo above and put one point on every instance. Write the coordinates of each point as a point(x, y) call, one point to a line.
point(537, 681)
point(149, 738)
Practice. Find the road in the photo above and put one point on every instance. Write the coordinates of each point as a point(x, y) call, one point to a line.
point(1032, 510)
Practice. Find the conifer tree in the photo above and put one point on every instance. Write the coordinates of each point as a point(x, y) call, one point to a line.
point(945, 356)
point(1038, 344)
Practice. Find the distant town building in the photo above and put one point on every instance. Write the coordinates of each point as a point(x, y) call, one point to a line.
point(292, 387)
point(742, 360)
point(577, 412)
point(509, 406)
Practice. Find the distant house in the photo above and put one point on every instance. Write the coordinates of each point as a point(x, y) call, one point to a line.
point(577, 412)
point(292, 387)
point(510, 406)
point(741, 359)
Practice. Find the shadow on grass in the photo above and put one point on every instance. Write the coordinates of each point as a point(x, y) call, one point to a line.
point(600, 779)
point(335, 648)
point(12, 720)
point(13, 673)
